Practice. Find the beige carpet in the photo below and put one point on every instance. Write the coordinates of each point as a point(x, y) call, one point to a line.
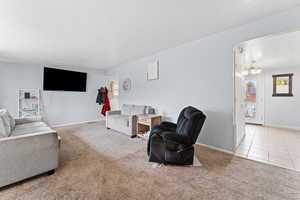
point(89, 172)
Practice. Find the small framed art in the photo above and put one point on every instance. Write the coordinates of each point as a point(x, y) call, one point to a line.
point(153, 71)
point(283, 85)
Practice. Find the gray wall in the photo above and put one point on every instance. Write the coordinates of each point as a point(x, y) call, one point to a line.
point(59, 107)
point(282, 112)
point(199, 73)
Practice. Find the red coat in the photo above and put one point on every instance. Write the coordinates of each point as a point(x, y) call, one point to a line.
point(106, 106)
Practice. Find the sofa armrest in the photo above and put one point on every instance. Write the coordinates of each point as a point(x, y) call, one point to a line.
point(111, 113)
point(114, 112)
point(27, 120)
point(27, 155)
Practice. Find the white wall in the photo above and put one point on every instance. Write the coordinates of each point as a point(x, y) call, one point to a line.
point(59, 107)
point(282, 111)
point(199, 73)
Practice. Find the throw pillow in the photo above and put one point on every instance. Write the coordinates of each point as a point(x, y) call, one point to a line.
point(8, 118)
point(12, 121)
point(4, 126)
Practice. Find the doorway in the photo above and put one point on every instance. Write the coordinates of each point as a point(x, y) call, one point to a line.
point(266, 100)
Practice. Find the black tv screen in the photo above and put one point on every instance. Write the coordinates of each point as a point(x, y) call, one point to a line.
point(64, 80)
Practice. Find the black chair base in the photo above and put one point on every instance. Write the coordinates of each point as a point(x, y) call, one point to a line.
point(161, 155)
point(185, 157)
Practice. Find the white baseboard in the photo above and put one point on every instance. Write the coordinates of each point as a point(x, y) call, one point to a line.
point(77, 123)
point(296, 128)
point(215, 148)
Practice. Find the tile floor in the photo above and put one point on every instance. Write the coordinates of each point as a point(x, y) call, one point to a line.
point(276, 146)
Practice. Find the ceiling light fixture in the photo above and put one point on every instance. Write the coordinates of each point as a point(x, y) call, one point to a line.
point(253, 70)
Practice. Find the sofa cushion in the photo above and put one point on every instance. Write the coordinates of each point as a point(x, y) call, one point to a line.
point(30, 125)
point(5, 129)
point(128, 109)
point(32, 130)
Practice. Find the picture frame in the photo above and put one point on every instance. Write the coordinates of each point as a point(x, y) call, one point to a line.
point(153, 71)
point(283, 85)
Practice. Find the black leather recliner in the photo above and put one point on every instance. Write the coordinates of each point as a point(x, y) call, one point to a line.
point(171, 143)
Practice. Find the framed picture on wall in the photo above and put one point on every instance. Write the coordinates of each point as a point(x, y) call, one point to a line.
point(153, 71)
point(283, 85)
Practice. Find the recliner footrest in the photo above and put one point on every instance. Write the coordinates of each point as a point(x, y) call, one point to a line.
point(185, 157)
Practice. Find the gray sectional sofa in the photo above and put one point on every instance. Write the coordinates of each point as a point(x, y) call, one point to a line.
point(27, 148)
point(125, 120)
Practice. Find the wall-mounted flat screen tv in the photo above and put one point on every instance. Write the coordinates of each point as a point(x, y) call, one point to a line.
point(64, 80)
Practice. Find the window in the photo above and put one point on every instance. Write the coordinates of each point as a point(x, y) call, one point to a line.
point(114, 88)
point(250, 99)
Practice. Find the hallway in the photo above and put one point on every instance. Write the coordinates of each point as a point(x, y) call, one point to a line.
point(276, 146)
